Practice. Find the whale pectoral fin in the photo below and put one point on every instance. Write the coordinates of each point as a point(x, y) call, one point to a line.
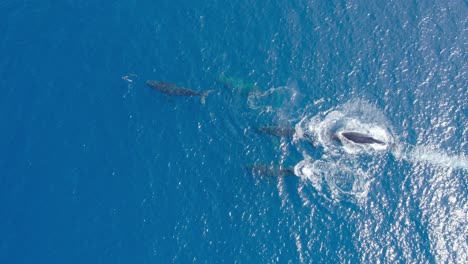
point(204, 95)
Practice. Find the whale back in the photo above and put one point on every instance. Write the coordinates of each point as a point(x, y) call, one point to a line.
point(360, 138)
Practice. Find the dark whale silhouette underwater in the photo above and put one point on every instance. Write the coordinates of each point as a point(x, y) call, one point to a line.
point(173, 89)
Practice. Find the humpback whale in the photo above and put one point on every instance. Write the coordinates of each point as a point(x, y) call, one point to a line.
point(266, 170)
point(172, 89)
point(360, 138)
point(277, 131)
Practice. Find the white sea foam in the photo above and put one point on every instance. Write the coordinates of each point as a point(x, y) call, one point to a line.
point(437, 158)
point(335, 179)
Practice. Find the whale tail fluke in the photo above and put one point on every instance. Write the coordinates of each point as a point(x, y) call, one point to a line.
point(204, 95)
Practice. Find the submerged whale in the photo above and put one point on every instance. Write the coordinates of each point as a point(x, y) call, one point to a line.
point(172, 89)
point(268, 170)
point(278, 131)
point(360, 138)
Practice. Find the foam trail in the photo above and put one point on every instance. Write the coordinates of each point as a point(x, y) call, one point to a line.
point(424, 154)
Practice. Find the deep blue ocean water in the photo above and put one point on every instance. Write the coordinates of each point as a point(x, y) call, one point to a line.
point(98, 168)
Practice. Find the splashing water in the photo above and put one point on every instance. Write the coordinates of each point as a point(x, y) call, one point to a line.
point(325, 129)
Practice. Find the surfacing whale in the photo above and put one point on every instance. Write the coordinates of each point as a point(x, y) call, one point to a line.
point(360, 138)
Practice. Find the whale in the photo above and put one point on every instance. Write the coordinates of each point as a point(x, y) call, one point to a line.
point(172, 89)
point(268, 170)
point(360, 138)
point(278, 131)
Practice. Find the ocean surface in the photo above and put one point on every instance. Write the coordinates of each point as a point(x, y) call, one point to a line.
point(96, 167)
